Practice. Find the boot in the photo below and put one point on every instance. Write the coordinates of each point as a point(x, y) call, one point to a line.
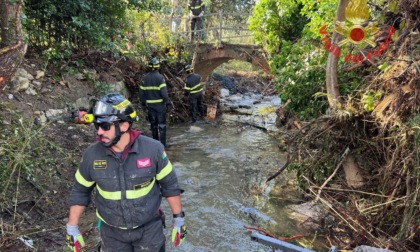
point(155, 133)
point(162, 131)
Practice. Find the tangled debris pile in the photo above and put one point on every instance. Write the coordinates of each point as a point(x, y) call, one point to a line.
point(378, 133)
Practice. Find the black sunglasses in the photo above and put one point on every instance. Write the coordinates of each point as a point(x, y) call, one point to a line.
point(105, 125)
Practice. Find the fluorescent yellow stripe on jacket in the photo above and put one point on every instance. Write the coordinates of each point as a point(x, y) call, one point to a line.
point(154, 101)
point(197, 7)
point(81, 180)
point(192, 88)
point(195, 89)
point(164, 172)
point(153, 88)
point(131, 194)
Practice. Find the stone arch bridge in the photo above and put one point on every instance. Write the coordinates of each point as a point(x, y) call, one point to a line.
point(207, 57)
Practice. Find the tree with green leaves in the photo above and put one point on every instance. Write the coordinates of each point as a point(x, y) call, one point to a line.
point(81, 24)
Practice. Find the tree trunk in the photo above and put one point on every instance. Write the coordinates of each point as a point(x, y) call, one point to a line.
point(351, 168)
point(331, 70)
point(10, 25)
point(12, 48)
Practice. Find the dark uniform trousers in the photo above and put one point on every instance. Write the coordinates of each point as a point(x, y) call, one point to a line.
point(196, 103)
point(156, 114)
point(196, 24)
point(149, 237)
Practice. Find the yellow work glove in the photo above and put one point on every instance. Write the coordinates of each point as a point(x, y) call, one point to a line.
point(179, 231)
point(74, 238)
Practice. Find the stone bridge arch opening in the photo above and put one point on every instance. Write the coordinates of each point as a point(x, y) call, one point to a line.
point(208, 58)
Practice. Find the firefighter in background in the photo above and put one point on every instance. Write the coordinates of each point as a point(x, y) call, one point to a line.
point(194, 91)
point(154, 98)
point(131, 173)
point(196, 8)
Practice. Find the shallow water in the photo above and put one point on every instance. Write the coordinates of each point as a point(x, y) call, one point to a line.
point(222, 168)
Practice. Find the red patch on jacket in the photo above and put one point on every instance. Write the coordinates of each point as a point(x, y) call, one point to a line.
point(143, 163)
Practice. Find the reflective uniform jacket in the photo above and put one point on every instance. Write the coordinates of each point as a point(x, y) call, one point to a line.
point(193, 85)
point(128, 190)
point(196, 7)
point(153, 90)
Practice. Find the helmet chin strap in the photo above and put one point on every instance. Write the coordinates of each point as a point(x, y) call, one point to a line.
point(118, 134)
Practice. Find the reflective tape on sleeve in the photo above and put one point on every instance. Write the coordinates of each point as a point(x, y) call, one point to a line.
point(153, 87)
point(81, 180)
point(164, 172)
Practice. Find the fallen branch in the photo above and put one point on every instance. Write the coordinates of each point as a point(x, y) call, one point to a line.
point(266, 87)
point(343, 157)
point(291, 142)
point(279, 171)
point(297, 125)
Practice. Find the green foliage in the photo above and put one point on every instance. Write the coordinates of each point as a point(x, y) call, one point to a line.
point(55, 55)
point(79, 24)
point(383, 66)
point(149, 35)
point(101, 88)
point(369, 99)
point(243, 6)
point(319, 13)
point(21, 149)
point(301, 183)
point(275, 21)
point(289, 30)
point(283, 28)
point(135, 28)
point(300, 74)
point(393, 6)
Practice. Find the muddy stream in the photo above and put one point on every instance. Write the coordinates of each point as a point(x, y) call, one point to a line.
point(222, 166)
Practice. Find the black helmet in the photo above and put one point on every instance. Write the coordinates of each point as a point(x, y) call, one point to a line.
point(154, 63)
point(188, 68)
point(113, 107)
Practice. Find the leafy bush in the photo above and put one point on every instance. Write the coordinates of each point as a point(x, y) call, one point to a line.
point(300, 74)
point(289, 30)
point(101, 88)
point(21, 150)
point(80, 24)
point(274, 21)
